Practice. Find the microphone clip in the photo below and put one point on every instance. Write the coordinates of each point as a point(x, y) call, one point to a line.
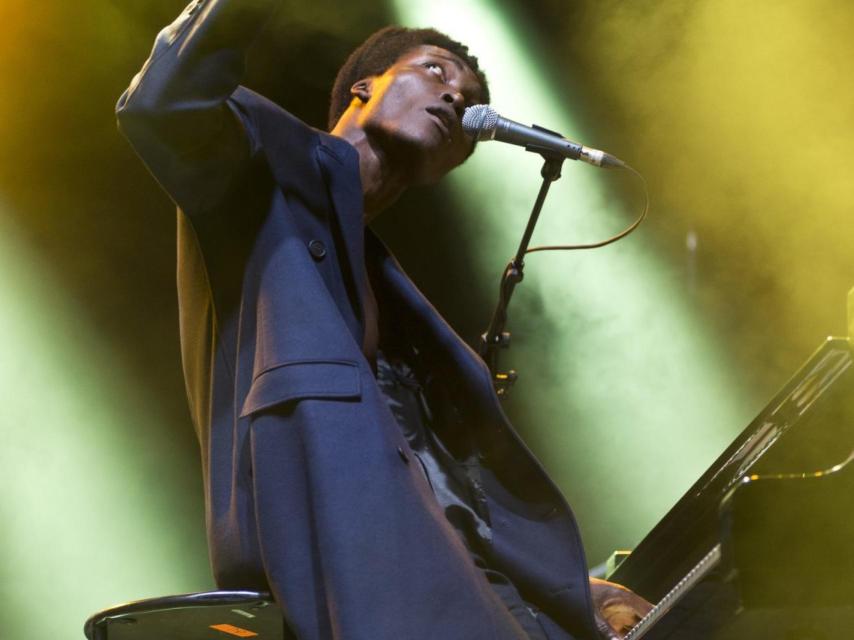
point(572, 150)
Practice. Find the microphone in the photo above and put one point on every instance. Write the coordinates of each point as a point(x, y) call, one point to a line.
point(482, 122)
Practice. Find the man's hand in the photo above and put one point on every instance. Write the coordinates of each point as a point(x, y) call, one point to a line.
point(617, 609)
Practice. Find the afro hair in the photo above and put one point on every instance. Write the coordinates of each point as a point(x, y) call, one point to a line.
point(381, 50)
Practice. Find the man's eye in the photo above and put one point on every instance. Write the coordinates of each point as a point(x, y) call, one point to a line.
point(435, 67)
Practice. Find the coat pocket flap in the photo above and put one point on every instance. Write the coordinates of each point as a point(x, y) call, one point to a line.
point(338, 379)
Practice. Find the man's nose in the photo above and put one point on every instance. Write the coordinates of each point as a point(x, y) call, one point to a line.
point(455, 98)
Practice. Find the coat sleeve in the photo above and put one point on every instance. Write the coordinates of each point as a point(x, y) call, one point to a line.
point(176, 112)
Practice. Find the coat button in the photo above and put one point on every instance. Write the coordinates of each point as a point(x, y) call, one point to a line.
point(403, 455)
point(317, 249)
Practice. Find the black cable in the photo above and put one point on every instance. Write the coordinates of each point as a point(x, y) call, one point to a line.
point(619, 236)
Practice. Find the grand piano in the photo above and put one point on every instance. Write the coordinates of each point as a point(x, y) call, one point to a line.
point(762, 545)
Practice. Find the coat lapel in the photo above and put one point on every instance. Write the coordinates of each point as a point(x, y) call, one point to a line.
point(473, 385)
point(339, 163)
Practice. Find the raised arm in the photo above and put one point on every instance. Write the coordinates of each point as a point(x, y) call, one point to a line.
point(175, 112)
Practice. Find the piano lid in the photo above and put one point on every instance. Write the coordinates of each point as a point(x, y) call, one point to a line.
point(808, 426)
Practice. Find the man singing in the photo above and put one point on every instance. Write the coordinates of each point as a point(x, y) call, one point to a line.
point(357, 463)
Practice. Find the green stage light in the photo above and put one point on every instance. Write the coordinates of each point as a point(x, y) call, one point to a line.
point(90, 513)
point(622, 391)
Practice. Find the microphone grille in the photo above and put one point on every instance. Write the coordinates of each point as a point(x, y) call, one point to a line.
point(479, 121)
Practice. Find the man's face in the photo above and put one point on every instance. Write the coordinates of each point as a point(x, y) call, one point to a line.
point(415, 110)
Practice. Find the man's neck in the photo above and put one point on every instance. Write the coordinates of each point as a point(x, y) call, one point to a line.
point(382, 180)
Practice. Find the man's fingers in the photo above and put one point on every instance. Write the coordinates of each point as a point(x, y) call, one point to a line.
point(621, 616)
point(617, 607)
point(605, 630)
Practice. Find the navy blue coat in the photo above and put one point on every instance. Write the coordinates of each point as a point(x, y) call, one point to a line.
point(309, 486)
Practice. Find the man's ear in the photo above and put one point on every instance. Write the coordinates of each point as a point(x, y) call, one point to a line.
point(362, 89)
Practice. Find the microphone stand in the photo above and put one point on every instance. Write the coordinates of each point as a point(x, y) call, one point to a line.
point(495, 337)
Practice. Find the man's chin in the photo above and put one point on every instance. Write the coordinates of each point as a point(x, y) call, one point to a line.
point(420, 157)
